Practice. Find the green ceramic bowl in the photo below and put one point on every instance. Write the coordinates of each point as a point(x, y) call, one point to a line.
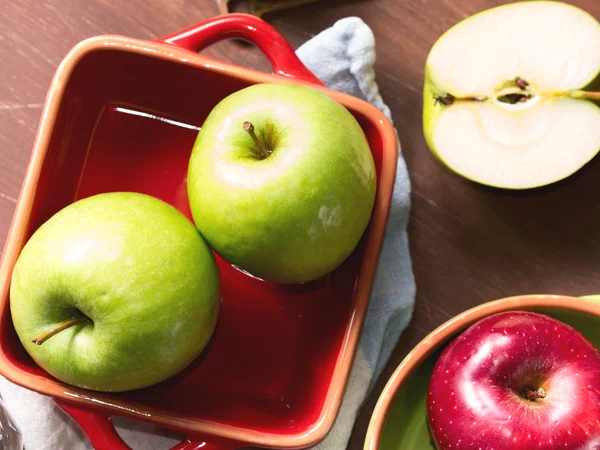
point(399, 421)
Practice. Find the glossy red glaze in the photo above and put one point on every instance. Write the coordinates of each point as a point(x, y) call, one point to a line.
point(122, 115)
point(476, 393)
point(278, 51)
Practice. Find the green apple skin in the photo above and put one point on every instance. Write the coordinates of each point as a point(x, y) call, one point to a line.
point(431, 113)
point(432, 109)
point(136, 267)
point(299, 213)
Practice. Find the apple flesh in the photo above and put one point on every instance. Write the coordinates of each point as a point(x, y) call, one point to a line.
point(281, 182)
point(115, 292)
point(516, 380)
point(503, 104)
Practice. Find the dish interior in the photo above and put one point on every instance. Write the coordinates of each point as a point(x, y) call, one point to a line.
point(127, 122)
point(405, 426)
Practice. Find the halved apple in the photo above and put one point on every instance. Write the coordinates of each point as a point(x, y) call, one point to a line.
point(503, 104)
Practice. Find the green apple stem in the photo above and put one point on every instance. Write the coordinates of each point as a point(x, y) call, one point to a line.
point(63, 326)
point(586, 95)
point(249, 128)
point(534, 394)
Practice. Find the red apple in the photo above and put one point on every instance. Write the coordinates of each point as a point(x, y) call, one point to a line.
point(516, 380)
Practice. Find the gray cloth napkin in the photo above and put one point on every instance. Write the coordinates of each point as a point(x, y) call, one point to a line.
point(342, 57)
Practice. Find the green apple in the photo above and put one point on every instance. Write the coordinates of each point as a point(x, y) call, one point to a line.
point(115, 292)
point(503, 99)
point(282, 182)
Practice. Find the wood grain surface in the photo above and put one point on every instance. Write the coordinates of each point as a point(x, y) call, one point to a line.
point(469, 244)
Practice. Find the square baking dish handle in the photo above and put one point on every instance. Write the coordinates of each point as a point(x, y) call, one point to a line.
point(97, 425)
point(278, 51)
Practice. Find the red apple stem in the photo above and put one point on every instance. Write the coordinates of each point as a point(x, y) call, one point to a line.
point(534, 394)
point(54, 331)
point(249, 128)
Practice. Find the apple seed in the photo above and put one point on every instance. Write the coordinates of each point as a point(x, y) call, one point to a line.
point(521, 83)
point(446, 99)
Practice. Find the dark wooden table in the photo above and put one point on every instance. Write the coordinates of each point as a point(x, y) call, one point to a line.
point(469, 244)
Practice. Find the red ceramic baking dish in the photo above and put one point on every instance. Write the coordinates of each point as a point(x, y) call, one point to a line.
point(122, 115)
